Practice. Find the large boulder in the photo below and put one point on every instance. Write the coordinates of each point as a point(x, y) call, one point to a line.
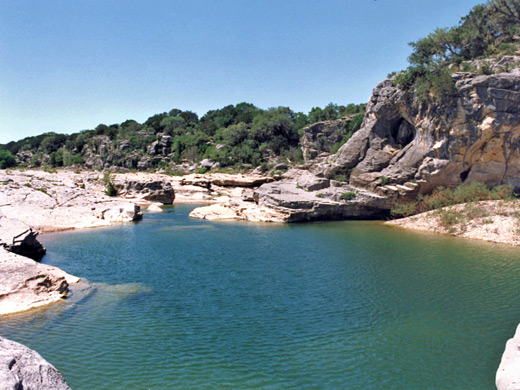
point(154, 190)
point(122, 213)
point(508, 374)
point(23, 368)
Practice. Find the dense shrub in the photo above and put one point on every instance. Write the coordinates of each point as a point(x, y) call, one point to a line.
point(7, 160)
point(235, 136)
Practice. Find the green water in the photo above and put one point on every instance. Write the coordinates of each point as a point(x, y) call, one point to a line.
point(189, 304)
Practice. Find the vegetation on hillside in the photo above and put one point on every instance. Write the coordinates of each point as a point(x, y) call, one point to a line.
point(457, 209)
point(442, 197)
point(236, 136)
point(489, 30)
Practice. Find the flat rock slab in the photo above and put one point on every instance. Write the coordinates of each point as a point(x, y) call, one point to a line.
point(238, 210)
point(25, 284)
point(23, 368)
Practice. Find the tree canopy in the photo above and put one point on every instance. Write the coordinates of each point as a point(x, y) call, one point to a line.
point(235, 135)
point(488, 30)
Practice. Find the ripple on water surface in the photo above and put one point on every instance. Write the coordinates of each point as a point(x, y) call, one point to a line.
point(180, 303)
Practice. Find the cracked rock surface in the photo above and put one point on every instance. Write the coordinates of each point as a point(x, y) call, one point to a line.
point(23, 368)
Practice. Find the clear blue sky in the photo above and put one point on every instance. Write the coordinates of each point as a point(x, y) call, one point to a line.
point(68, 65)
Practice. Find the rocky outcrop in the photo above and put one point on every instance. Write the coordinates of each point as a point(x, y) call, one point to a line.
point(153, 190)
point(303, 197)
point(23, 368)
point(473, 136)
point(25, 284)
point(508, 374)
point(292, 200)
point(58, 201)
point(225, 180)
point(320, 137)
point(406, 147)
point(19, 238)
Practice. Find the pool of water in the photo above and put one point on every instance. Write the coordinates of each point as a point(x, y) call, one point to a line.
point(177, 303)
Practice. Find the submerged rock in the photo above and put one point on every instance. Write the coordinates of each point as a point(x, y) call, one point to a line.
point(23, 368)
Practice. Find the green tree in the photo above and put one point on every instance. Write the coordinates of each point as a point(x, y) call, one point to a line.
point(7, 160)
point(52, 142)
point(275, 128)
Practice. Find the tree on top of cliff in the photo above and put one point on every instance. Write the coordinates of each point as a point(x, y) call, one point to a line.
point(488, 30)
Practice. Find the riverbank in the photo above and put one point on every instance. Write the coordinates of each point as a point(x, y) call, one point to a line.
point(493, 220)
point(40, 201)
point(35, 201)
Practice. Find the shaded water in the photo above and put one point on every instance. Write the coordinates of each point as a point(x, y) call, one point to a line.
point(189, 304)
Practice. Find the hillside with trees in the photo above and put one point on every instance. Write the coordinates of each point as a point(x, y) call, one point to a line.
point(236, 137)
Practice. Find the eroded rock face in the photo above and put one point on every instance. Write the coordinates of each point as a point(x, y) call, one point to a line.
point(25, 284)
point(405, 148)
point(473, 137)
point(23, 368)
point(298, 204)
point(321, 136)
point(154, 191)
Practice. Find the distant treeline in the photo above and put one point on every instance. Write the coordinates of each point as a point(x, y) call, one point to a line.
point(233, 136)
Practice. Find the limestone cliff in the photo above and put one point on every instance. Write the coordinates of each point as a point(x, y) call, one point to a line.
point(474, 136)
point(406, 147)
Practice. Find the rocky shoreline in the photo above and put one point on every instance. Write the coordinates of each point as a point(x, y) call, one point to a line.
point(493, 220)
point(404, 149)
point(33, 201)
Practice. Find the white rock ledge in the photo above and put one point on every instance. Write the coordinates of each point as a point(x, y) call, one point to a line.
point(26, 284)
point(508, 374)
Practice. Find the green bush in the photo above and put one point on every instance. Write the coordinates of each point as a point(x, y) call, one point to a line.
point(348, 195)
point(110, 188)
point(488, 30)
point(7, 160)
